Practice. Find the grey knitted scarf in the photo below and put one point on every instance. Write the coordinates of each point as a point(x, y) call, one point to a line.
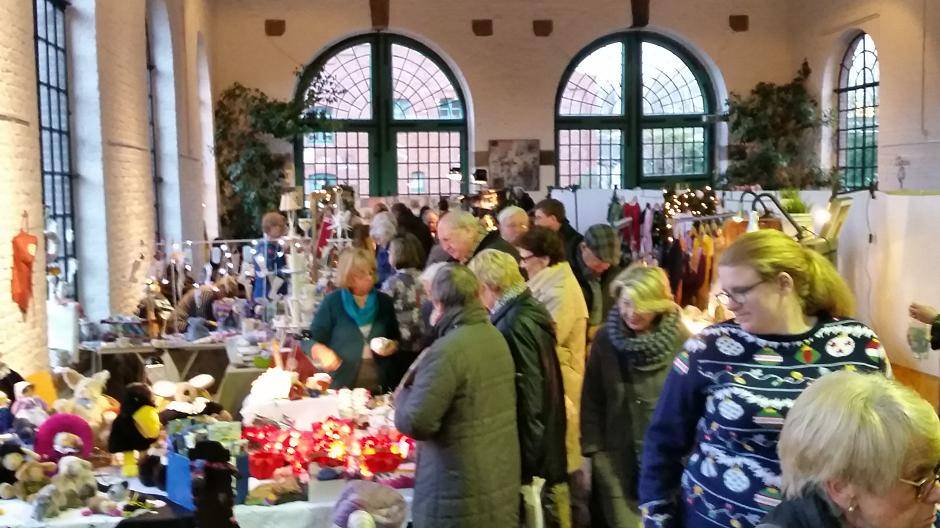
point(650, 349)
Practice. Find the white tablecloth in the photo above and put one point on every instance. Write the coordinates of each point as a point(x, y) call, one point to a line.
point(317, 513)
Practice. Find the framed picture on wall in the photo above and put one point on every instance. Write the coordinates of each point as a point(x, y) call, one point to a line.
point(514, 163)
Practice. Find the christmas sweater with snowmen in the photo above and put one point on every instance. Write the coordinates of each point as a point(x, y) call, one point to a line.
point(710, 456)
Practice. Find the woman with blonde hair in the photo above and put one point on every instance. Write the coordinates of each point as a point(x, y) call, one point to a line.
point(858, 451)
point(348, 319)
point(710, 455)
point(628, 364)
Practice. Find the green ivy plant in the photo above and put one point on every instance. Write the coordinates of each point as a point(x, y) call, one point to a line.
point(251, 175)
point(773, 133)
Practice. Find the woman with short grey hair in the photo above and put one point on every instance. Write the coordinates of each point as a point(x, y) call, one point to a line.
point(859, 451)
point(468, 473)
point(383, 229)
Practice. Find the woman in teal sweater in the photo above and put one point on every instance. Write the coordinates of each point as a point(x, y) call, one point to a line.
point(347, 321)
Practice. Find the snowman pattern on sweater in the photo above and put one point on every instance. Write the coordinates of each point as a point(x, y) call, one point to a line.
point(724, 405)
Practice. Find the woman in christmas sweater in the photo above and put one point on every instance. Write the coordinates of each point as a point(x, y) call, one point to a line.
point(710, 453)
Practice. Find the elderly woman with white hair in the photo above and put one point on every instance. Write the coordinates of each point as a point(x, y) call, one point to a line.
point(383, 229)
point(858, 451)
point(462, 237)
point(513, 223)
point(540, 398)
point(459, 401)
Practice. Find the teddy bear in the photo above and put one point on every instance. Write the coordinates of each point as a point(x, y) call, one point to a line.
point(188, 398)
point(365, 504)
point(31, 477)
point(12, 456)
point(73, 486)
point(283, 488)
point(76, 475)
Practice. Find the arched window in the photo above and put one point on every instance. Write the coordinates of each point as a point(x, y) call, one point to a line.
point(52, 75)
point(632, 110)
point(397, 120)
point(858, 114)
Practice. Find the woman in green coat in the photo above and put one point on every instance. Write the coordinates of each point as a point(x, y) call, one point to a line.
point(346, 323)
point(627, 367)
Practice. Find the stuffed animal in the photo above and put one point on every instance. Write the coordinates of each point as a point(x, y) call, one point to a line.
point(284, 488)
point(76, 475)
point(188, 398)
point(365, 504)
point(64, 434)
point(101, 503)
point(212, 485)
point(6, 416)
point(31, 477)
point(29, 411)
point(48, 502)
point(152, 471)
point(88, 401)
point(12, 456)
point(135, 427)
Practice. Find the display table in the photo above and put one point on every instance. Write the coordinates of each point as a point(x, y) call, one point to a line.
point(235, 385)
point(316, 513)
point(183, 360)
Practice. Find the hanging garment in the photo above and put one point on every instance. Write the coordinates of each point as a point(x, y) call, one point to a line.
point(24, 254)
point(631, 232)
point(646, 232)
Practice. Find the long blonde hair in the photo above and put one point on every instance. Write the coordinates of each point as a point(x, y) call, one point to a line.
point(819, 286)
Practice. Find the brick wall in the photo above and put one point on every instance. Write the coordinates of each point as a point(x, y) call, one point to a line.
point(22, 338)
point(122, 60)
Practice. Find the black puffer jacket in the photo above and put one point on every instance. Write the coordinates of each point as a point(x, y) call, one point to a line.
point(810, 511)
point(540, 396)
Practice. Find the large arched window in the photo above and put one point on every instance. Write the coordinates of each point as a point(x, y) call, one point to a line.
point(858, 114)
point(397, 121)
point(632, 110)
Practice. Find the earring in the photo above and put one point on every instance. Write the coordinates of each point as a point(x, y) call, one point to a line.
point(851, 508)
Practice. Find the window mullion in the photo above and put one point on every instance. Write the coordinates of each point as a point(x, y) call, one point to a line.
point(633, 86)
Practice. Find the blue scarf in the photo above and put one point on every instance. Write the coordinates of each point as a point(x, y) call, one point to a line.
point(362, 316)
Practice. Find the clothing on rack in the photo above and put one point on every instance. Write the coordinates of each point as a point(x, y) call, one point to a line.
point(631, 232)
point(646, 232)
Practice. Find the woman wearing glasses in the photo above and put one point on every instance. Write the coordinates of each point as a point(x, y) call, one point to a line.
point(858, 451)
point(710, 453)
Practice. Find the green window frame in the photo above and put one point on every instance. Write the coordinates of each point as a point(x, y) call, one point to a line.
point(395, 137)
point(620, 143)
point(857, 137)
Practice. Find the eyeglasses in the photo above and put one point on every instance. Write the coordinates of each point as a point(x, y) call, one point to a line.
point(526, 259)
point(738, 295)
point(926, 485)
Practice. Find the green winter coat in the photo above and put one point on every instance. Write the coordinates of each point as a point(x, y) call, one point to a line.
point(459, 401)
point(617, 404)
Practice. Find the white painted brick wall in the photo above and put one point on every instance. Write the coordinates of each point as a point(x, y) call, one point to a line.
point(22, 338)
point(126, 133)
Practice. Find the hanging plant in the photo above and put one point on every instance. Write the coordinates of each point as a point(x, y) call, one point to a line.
point(252, 176)
point(774, 131)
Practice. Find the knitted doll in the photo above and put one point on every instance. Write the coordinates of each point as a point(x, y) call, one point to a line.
point(136, 426)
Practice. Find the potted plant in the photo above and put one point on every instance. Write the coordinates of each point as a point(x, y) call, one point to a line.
point(794, 205)
point(773, 131)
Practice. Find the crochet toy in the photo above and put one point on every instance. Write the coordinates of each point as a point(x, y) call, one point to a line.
point(135, 427)
point(365, 504)
point(188, 398)
point(31, 477)
point(152, 471)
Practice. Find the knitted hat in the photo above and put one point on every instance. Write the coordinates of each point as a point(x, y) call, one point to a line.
point(603, 241)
